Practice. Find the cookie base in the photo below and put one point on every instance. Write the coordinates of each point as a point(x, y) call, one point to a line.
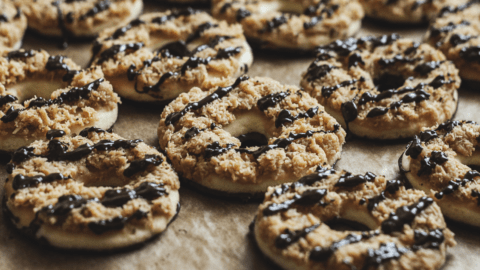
point(28, 233)
point(236, 197)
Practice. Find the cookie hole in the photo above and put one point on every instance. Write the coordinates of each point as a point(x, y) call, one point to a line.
point(255, 127)
point(252, 139)
point(389, 81)
point(35, 89)
point(284, 6)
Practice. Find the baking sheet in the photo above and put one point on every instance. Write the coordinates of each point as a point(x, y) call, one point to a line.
point(210, 233)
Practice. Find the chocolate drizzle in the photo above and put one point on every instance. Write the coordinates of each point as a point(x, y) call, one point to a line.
point(86, 131)
point(458, 39)
point(315, 72)
point(137, 166)
point(283, 142)
point(57, 150)
point(354, 60)
point(119, 197)
point(313, 10)
point(271, 100)
point(470, 54)
point(116, 49)
point(242, 14)
point(116, 223)
point(405, 215)
point(20, 54)
point(175, 14)
point(218, 94)
point(348, 180)
point(327, 91)
point(198, 32)
point(414, 148)
point(99, 7)
point(397, 59)
point(57, 63)
point(347, 46)
point(274, 23)
point(215, 149)
point(309, 180)
point(428, 67)
point(309, 197)
point(386, 252)
point(453, 185)
point(7, 99)
point(286, 117)
point(55, 133)
point(430, 240)
point(289, 237)
point(455, 9)
point(194, 62)
point(391, 187)
point(428, 135)
point(427, 164)
point(21, 181)
point(61, 24)
point(65, 204)
point(156, 87)
point(121, 31)
point(321, 254)
point(435, 32)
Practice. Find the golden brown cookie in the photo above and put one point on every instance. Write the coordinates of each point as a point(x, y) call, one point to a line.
point(94, 191)
point(77, 18)
point(407, 229)
point(13, 24)
point(240, 139)
point(406, 11)
point(437, 162)
point(160, 55)
point(456, 32)
point(292, 24)
point(40, 92)
point(383, 87)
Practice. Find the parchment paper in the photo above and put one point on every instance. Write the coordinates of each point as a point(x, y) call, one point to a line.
point(210, 233)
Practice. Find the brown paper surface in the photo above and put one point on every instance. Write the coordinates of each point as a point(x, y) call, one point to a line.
point(211, 233)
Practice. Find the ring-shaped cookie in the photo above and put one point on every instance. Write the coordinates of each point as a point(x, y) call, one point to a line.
point(94, 191)
point(306, 24)
point(40, 92)
point(383, 87)
point(13, 24)
point(456, 32)
point(407, 229)
point(160, 55)
point(77, 18)
point(405, 11)
point(437, 160)
point(237, 140)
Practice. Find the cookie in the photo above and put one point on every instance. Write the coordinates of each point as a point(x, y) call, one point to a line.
point(93, 191)
point(40, 92)
point(383, 87)
point(292, 25)
point(13, 24)
point(436, 161)
point(240, 139)
point(405, 11)
point(160, 55)
point(456, 32)
point(80, 19)
point(293, 226)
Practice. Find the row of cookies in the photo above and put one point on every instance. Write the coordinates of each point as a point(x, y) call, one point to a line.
point(259, 88)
